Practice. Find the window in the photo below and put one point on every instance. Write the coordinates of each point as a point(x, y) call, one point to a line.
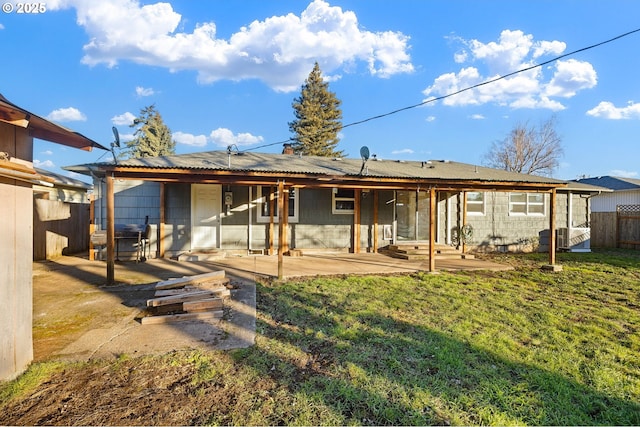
point(475, 203)
point(264, 192)
point(526, 204)
point(343, 201)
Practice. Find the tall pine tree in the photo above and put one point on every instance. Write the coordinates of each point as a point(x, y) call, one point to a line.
point(152, 136)
point(318, 118)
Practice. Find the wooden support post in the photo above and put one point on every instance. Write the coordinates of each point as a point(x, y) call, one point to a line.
point(161, 230)
point(284, 218)
point(92, 226)
point(356, 220)
point(552, 228)
point(464, 222)
point(280, 230)
point(375, 221)
point(432, 230)
point(110, 231)
point(271, 216)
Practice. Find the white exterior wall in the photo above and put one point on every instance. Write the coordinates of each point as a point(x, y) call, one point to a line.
point(607, 202)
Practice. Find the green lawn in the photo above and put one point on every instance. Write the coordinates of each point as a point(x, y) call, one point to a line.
point(509, 347)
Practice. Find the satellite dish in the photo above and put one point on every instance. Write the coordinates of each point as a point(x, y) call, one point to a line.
point(116, 136)
point(364, 153)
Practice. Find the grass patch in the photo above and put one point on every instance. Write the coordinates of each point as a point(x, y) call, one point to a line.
point(521, 347)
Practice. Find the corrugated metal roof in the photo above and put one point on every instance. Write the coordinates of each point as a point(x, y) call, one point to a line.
point(64, 180)
point(323, 166)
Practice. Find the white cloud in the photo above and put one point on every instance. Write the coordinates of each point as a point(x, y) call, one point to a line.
point(124, 119)
point(607, 110)
point(477, 117)
point(66, 115)
point(570, 77)
point(47, 153)
point(189, 139)
point(513, 51)
point(47, 164)
point(224, 137)
point(144, 91)
point(280, 50)
point(623, 173)
point(1, 27)
point(431, 119)
point(403, 151)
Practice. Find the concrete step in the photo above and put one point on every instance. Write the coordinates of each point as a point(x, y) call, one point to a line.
point(411, 257)
point(420, 251)
point(202, 256)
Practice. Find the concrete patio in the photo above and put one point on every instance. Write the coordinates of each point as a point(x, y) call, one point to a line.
point(320, 264)
point(78, 317)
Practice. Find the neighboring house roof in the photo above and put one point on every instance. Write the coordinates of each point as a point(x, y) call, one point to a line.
point(249, 163)
point(613, 183)
point(44, 129)
point(585, 187)
point(64, 181)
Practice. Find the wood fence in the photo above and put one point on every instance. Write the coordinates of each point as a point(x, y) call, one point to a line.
point(59, 228)
point(620, 229)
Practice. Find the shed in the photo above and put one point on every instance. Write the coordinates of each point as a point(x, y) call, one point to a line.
point(18, 128)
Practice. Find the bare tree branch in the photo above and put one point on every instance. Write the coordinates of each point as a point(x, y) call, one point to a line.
point(529, 150)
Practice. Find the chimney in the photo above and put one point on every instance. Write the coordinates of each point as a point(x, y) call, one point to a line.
point(288, 149)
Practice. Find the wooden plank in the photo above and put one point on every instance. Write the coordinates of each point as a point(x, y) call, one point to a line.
point(175, 291)
point(173, 299)
point(189, 280)
point(218, 286)
point(166, 309)
point(220, 291)
point(203, 305)
point(170, 318)
point(214, 283)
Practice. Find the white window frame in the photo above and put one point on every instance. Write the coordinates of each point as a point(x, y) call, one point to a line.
point(528, 204)
point(260, 218)
point(335, 198)
point(481, 203)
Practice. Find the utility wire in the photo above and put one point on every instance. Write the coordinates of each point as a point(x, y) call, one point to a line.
point(440, 98)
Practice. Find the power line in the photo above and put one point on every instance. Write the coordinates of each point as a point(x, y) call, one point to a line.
point(440, 98)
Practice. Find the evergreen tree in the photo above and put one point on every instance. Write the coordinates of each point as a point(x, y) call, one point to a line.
point(152, 137)
point(318, 118)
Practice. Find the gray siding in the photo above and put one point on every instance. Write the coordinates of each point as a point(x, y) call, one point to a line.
point(318, 228)
point(498, 230)
point(134, 201)
point(177, 217)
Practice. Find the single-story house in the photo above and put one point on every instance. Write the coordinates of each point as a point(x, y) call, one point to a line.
point(616, 211)
point(232, 201)
point(18, 128)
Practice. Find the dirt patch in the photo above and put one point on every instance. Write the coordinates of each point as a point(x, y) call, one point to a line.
point(78, 317)
point(131, 392)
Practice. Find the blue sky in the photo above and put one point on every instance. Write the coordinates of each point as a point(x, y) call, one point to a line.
point(226, 72)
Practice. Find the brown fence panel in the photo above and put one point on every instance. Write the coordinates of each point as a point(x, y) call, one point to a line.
point(603, 229)
point(59, 228)
point(628, 225)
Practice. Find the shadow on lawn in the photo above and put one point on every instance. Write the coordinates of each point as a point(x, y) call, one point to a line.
point(386, 371)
